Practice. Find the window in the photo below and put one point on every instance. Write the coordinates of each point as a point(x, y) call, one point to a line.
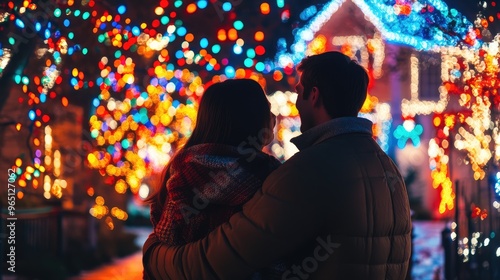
point(429, 76)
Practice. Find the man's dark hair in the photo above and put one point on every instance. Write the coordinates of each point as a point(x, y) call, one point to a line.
point(341, 81)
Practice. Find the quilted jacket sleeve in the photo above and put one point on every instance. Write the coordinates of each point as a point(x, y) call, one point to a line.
point(276, 221)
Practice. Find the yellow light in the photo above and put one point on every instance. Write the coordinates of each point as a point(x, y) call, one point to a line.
point(99, 200)
point(159, 11)
point(437, 121)
point(221, 35)
point(121, 186)
point(264, 8)
point(191, 8)
point(259, 36)
point(232, 34)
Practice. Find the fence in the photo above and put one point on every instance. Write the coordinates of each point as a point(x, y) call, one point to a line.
point(472, 241)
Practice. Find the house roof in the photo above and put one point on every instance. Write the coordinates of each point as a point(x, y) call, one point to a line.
point(421, 24)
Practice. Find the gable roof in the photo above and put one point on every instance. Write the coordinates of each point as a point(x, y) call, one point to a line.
point(423, 25)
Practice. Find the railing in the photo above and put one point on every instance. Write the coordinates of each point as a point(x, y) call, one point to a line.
point(33, 230)
point(472, 241)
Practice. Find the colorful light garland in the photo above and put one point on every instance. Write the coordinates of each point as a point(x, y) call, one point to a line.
point(410, 28)
point(139, 119)
point(152, 74)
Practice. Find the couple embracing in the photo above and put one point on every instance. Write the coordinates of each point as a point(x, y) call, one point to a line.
point(338, 209)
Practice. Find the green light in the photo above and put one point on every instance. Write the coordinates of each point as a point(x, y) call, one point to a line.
point(238, 25)
point(12, 41)
point(85, 51)
point(164, 20)
point(216, 48)
point(71, 35)
point(280, 3)
point(86, 15)
point(57, 12)
point(260, 66)
point(25, 80)
point(94, 133)
point(251, 53)
point(178, 3)
point(125, 143)
point(101, 38)
point(77, 13)
point(248, 62)
point(17, 79)
point(118, 53)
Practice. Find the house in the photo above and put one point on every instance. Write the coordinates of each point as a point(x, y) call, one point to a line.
point(402, 44)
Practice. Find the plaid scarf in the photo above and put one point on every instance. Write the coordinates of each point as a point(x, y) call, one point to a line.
point(208, 183)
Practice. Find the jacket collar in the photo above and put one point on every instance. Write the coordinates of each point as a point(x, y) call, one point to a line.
point(330, 129)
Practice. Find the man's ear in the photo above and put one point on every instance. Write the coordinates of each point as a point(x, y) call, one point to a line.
point(315, 97)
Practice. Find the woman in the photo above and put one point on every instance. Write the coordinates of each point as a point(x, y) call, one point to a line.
point(220, 167)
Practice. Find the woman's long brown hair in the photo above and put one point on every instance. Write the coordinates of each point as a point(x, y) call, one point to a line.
point(229, 113)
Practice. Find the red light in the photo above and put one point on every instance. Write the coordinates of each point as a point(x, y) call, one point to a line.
point(260, 50)
point(156, 23)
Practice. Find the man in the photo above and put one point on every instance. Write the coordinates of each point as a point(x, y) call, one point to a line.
point(338, 209)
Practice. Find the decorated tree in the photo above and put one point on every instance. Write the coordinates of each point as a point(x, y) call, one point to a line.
point(138, 68)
